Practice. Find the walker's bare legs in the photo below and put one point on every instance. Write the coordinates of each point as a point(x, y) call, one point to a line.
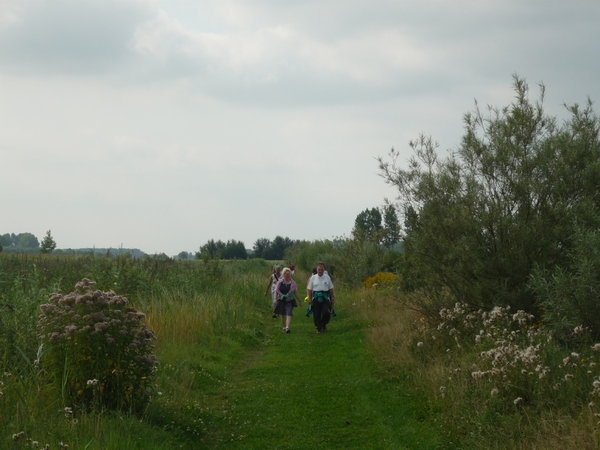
point(285, 323)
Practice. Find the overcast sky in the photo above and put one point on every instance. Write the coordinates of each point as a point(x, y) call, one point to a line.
point(160, 125)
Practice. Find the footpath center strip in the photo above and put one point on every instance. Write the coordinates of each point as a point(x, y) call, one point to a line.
point(317, 391)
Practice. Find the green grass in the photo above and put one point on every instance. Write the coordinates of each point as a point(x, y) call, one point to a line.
point(229, 377)
point(307, 391)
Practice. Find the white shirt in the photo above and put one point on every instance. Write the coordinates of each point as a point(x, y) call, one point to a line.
point(274, 281)
point(320, 283)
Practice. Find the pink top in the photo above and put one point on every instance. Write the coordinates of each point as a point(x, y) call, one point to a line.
point(293, 288)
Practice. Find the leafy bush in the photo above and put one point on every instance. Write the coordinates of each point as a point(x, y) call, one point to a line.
point(357, 259)
point(479, 221)
point(570, 295)
point(100, 350)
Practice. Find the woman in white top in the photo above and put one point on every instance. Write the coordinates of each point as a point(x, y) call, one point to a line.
point(273, 279)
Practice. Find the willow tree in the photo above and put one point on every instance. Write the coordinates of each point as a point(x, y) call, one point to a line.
point(507, 203)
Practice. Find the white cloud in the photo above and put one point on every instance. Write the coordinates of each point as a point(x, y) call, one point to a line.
point(177, 121)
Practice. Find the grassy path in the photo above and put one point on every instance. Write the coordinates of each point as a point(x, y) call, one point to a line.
point(315, 391)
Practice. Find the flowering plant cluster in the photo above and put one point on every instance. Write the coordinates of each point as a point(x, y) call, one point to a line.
point(100, 349)
point(515, 358)
point(380, 279)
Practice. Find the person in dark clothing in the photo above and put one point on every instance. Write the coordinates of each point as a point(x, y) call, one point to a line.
point(321, 297)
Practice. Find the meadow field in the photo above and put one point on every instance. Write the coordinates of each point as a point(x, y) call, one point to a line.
point(217, 372)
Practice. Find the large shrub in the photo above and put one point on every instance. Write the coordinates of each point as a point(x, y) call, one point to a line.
point(100, 349)
point(357, 259)
point(507, 201)
point(570, 294)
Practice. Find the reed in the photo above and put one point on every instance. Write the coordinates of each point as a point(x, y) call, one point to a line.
point(209, 312)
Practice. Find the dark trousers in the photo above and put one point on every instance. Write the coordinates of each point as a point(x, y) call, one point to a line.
point(321, 313)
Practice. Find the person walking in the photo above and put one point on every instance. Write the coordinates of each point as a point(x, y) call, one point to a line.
point(321, 297)
point(273, 280)
point(307, 298)
point(286, 295)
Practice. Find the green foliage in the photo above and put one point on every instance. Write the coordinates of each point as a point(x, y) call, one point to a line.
point(305, 255)
point(6, 240)
point(479, 221)
point(19, 243)
point(26, 281)
point(100, 349)
point(357, 259)
point(48, 243)
point(20, 297)
point(367, 225)
point(184, 255)
point(205, 316)
point(231, 249)
point(272, 250)
point(350, 260)
point(26, 240)
point(569, 295)
point(391, 226)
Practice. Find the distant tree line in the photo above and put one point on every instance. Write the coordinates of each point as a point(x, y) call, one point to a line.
point(185, 255)
point(26, 243)
point(21, 240)
point(231, 249)
point(133, 253)
point(29, 243)
point(263, 248)
point(275, 249)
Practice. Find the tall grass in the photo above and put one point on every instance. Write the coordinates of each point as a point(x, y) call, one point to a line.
point(535, 394)
point(207, 312)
